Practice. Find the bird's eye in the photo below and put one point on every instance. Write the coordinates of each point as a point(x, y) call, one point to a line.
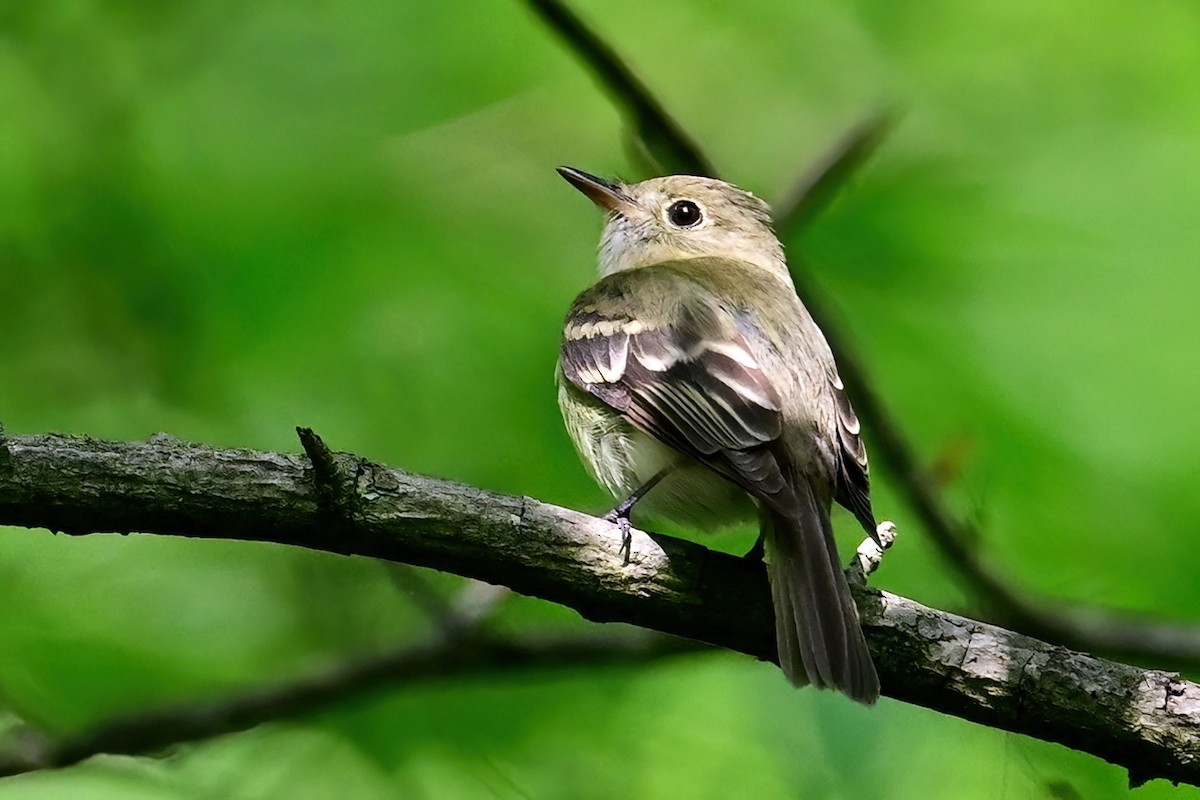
point(684, 214)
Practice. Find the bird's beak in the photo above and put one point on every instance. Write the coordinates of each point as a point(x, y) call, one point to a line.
point(607, 196)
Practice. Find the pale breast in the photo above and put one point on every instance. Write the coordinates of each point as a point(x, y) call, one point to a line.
point(621, 458)
point(692, 494)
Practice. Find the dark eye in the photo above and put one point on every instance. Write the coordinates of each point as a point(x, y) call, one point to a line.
point(684, 214)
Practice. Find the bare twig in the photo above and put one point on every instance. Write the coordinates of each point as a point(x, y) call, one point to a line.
point(471, 607)
point(412, 585)
point(824, 179)
point(1088, 628)
point(1145, 720)
point(477, 602)
point(153, 731)
point(661, 135)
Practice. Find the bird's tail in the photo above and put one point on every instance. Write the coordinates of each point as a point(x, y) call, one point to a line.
point(817, 631)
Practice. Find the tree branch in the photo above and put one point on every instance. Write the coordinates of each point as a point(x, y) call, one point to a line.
point(442, 659)
point(1094, 629)
point(1145, 720)
point(662, 136)
point(817, 187)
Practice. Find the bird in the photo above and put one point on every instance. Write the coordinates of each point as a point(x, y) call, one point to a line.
point(696, 387)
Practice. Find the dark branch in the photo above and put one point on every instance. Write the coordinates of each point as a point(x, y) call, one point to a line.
point(469, 610)
point(820, 184)
point(662, 137)
point(1145, 720)
point(154, 731)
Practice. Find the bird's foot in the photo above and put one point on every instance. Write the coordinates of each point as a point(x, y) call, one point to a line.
point(619, 516)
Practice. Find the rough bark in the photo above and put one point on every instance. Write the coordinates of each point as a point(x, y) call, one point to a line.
point(1145, 720)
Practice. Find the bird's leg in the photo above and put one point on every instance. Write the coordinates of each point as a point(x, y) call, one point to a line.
point(620, 515)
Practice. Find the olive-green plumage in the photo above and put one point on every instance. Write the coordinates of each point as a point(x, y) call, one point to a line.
point(693, 357)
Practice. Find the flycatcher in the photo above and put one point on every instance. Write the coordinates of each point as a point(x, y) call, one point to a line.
point(694, 383)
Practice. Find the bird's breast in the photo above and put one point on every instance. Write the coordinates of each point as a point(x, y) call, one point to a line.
point(621, 458)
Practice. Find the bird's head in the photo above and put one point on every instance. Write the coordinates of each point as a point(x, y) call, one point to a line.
point(680, 217)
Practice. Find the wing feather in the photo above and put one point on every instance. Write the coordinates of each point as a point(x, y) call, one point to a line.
point(853, 489)
point(693, 384)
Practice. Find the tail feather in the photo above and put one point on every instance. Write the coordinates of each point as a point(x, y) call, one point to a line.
point(817, 631)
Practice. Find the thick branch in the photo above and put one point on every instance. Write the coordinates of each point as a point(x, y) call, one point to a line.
point(1147, 721)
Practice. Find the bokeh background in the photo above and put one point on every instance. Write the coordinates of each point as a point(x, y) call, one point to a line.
point(222, 220)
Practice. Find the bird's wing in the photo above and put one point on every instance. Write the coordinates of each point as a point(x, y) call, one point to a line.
point(690, 379)
point(853, 488)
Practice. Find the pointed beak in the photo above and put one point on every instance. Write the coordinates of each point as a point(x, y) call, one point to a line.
point(606, 195)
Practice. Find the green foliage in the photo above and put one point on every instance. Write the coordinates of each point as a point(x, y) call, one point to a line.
point(222, 220)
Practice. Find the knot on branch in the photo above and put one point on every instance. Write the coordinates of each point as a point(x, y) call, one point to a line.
point(336, 489)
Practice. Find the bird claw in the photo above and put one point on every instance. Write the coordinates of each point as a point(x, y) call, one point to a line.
point(620, 518)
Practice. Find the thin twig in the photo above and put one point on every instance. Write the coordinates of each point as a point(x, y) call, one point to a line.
point(477, 602)
point(817, 187)
point(150, 732)
point(661, 135)
point(414, 587)
point(471, 607)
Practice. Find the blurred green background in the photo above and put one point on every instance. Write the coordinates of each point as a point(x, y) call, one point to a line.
point(222, 220)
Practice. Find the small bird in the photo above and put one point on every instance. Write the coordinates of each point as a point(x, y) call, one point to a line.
point(696, 386)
